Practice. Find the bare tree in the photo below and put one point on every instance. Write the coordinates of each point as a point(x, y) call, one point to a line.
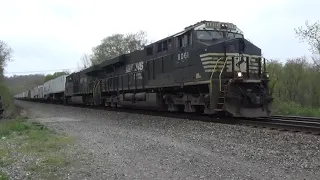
point(85, 61)
point(311, 35)
point(5, 56)
point(117, 44)
point(316, 62)
point(274, 68)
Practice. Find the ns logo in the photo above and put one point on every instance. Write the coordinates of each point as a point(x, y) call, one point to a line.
point(138, 66)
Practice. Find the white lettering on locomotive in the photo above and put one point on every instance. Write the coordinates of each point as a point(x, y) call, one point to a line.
point(134, 67)
point(138, 66)
point(182, 56)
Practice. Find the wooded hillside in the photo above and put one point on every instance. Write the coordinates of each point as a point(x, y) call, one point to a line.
point(21, 83)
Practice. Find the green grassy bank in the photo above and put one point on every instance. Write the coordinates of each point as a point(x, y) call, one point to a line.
point(33, 147)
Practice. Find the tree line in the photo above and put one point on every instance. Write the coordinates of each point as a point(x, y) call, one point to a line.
point(295, 83)
point(20, 83)
point(5, 57)
point(112, 46)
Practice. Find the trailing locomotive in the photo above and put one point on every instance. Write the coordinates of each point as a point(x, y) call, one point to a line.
point(209, 67)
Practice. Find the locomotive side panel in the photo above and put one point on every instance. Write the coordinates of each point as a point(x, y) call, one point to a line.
point(69, 86)
point(134, 67)
point(76, 83)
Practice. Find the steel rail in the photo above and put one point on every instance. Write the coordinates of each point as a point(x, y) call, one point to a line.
point(296, 123)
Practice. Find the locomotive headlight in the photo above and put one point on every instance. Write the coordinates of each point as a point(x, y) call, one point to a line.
point(239, 74)
point(267, 75)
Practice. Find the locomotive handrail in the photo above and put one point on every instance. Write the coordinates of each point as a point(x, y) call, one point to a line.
point(95, 86)
point(214, 69)
point(224, 64)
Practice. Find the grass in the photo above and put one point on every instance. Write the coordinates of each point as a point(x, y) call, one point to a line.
point(9, 126)
point(5, 158)
point(294, 109)
point(3, 176)
point(43, 147)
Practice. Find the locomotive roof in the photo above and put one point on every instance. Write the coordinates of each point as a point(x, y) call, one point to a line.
point(91, 68)
point(205, 25)
point(100, 67)
point(214, 25)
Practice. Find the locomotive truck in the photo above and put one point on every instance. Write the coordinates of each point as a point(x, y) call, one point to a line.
point(209, 67)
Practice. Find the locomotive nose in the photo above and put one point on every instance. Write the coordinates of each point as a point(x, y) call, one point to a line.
point(234, 46)
point(241, 46)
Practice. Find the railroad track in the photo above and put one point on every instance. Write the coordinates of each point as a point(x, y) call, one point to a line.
point(278, 122)
point(288, 123)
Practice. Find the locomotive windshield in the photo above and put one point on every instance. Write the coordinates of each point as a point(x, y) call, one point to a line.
point(209, 35)
point(231, 35)
point(215, 35)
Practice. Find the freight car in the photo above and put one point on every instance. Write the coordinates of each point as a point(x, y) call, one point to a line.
point(209, 67)
point(54, 89)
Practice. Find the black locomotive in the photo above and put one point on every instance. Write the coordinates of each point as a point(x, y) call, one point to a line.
point(209, 67)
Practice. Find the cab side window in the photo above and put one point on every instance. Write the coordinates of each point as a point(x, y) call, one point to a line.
point(184, 40)
point(169, 43)
point(163, 45)
point(149, 50)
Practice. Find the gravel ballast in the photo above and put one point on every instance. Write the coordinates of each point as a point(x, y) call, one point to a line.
point(118, 145)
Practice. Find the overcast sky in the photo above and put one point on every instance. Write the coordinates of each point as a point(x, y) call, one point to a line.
point(53, 34)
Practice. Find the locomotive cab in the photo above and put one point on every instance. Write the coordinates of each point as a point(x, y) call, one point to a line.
point(213, 34)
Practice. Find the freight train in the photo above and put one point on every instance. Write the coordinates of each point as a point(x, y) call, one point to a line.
point(208, 67)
